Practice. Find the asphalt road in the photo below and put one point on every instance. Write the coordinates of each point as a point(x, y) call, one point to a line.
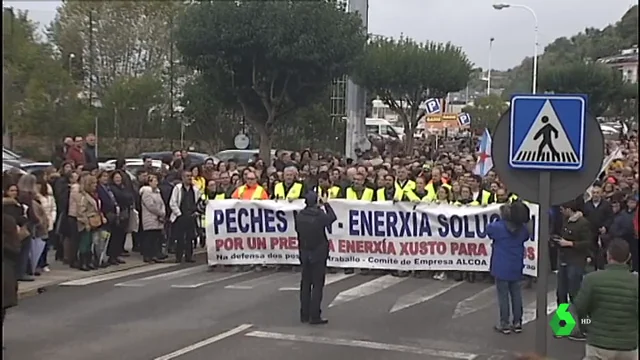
point(187, 313)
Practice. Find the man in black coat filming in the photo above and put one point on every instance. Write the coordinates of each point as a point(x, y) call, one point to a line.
point(311, 224)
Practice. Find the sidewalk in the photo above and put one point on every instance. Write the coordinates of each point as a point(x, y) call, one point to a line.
point(62, 273)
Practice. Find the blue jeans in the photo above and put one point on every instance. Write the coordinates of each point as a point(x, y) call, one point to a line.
point(509, 300)
point(569, 282)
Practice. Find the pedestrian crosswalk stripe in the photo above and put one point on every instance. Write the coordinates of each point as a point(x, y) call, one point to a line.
point(206, 342)
point(366, 289)
point(263, 280)
point(479, 301)
point(529, 312)
point(371, 345)
point(208, 282)
point(423, 294)
point(542, 144)
point(116, 275)
point(166, 276)
point(329, 279)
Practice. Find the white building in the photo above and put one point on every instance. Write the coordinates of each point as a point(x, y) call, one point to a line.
point(626, 62)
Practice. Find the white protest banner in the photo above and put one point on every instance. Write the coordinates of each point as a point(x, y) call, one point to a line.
point(369, 235)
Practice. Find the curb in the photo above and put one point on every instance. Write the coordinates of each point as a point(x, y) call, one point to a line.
point(53, 283)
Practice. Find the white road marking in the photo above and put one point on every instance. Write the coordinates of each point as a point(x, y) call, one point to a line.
point(329, 279)
point(479, 301)
point(205, 342)
point(164, 276)
point(116, 275)
point(363, 344)
point(424, 294)
point(208, 282)
point(366, 289)
point(529, 312)
point(250, 284)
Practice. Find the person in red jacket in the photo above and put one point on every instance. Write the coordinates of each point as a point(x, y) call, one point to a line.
point(76, 153)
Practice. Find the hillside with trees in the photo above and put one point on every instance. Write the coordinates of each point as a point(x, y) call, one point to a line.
point(569, 65)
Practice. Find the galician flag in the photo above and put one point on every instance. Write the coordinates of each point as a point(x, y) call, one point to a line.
point(485, 161)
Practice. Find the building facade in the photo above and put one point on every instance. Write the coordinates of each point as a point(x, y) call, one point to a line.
point(626, 62)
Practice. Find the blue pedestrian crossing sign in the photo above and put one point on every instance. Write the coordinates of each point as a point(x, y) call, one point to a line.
point(547, 132)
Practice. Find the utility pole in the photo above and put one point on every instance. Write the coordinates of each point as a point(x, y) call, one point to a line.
point(356, 135)
point(91, 55)
point(171, 115)
point(489, 71)
point(7, 83)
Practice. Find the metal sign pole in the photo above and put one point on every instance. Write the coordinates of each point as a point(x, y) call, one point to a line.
point(542, 286)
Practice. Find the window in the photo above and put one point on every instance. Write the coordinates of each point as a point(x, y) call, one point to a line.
point(389, 131)
point(372, 129)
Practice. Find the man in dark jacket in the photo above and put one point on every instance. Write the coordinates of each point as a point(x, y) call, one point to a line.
point(90, 155)
point(311, 224)
point(622, 226)
point(600, 215)
point(610, 299)
point(573, 249)
point(166, 187)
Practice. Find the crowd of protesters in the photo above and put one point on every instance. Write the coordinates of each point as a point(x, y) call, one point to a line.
point(86, 213)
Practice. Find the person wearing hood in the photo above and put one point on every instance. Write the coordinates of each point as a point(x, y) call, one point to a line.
point(311, 224)
point(574, 244)
point(508, 236)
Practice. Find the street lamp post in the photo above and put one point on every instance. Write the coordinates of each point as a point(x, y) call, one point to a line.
point(543, 261)
point(489, 71)
point(535, 41)
point(71, 57)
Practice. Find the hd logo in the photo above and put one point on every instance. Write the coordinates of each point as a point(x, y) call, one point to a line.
point(563, 323)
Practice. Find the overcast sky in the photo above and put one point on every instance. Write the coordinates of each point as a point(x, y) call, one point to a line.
point(466, 23)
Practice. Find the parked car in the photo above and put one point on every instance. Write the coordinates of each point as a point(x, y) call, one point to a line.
point(15, 160)
point(195, 158)
point(135, 165)
point(7, 167)
point(111, 167)
point(36, 166)
point(241, 157)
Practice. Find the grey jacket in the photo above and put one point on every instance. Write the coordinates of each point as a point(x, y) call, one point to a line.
point(152, 206)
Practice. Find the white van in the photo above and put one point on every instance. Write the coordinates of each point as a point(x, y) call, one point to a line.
point(383, 128)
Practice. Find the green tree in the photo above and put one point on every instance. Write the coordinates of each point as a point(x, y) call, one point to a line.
point(601, 83)
point(587, 46)
point(129, 105)
point(486, 111)
point(40, 98)
point(121, 46)
point(404, 73)
point(269, 57)
point(210, 120)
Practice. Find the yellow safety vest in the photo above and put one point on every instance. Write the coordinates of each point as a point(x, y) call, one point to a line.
point(203, 217)
point(431, 191)
point(367, 194)
point(486, 197)
point(294, 192)
point(333, 192)
point(381, 194)
point(407, 190)
point(473, 203)
point(514, 197)
point(257, 194)
point(220, 196)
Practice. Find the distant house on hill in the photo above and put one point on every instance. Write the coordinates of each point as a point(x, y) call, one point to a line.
point(626, 62)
